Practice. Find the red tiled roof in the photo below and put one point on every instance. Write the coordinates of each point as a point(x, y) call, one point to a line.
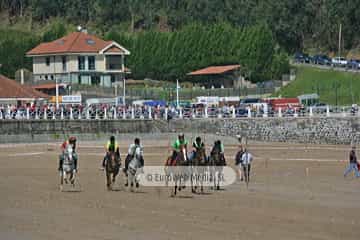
point(214, 70)
point(76, 42)
point(11, 89)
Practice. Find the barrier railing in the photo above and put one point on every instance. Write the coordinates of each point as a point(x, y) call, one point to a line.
point(118, 113)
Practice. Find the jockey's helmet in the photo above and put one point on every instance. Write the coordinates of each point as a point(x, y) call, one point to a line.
point(112, 139)
point(198, 140)
point(181, 135)
point(137, 141)
point(72, 139)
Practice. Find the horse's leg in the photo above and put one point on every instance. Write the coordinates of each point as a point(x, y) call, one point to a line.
point(72, 179)
point(114, 176)
point(61, 180)
point(130, 183)
point(108, 180)
point(65, 177)
point(218, 173)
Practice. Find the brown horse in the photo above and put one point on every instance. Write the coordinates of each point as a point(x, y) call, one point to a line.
point(216, 163)
point(112, 167)
point(200, 164)
point(173, 168)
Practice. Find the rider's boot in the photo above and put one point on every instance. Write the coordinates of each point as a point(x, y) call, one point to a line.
point(102, 167)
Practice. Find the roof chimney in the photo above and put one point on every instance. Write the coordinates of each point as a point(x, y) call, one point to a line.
point(82, 29)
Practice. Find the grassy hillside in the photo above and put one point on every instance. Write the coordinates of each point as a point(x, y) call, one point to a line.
point(332, 86)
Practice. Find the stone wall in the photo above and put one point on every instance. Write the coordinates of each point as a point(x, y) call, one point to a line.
point(303, 130)
point(296, 130)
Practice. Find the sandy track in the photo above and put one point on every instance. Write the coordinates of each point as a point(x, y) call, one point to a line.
point(281, 203)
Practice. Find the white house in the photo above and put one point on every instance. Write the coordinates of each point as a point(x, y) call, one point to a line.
point(79, 58)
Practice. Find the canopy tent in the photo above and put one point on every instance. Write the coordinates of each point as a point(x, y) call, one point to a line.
point(155, 103)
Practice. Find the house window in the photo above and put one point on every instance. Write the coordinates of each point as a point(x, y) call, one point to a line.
point(47, 60)
point(91, 61)
point(95, 80)
point(63, 63)
point(81, 60)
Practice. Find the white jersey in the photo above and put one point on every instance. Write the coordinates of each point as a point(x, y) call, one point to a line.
point(246, 158)
point(135, 150)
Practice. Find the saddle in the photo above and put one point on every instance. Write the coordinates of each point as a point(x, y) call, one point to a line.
point(117, 159)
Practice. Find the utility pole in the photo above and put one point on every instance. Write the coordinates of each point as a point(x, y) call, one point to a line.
point(177, 93)
point(340, 39)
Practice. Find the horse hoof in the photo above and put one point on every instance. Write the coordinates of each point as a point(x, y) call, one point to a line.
point(137, 185)
point(218, 188)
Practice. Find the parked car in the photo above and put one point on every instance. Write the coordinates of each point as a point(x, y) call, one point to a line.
point(319, 108)
point(353, 64)
point(302, 58)
point(339, 62)
point(321, 60)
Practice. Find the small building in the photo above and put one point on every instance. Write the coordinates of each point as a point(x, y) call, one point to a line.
point(228, 76)
point(309, 99)
point(11, 92)
point(79, 58)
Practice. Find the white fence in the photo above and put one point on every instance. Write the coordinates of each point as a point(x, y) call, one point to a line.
point(113, 113)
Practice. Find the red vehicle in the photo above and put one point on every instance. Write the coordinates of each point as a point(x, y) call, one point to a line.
point(284, 103)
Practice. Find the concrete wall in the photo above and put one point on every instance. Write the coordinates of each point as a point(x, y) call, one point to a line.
point(304, 130)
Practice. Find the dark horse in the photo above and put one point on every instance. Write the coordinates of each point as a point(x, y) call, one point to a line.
point(112, 167)
point(175, 168)
point(216, 162)
point(199, 164)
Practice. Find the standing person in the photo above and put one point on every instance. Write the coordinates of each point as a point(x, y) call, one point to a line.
point(247, 158)
point(238, 162)
point(353, 163)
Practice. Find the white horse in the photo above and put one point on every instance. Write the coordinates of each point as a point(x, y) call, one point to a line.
point(68, 168)
point(133, 169)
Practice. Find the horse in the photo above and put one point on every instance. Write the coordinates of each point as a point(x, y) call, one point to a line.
point(112, 167)
point(199, 162)
point(132, 170)
point(216, 162)
point(173, 167)
point(68, 168)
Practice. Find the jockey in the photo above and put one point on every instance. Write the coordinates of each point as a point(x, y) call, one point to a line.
point(220, 146)
point(71, 141)
point(134, 148)
point(197, 145)
point(176, 145)
point(111, 145)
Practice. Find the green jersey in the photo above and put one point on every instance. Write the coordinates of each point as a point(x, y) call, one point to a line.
point(177, 143)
